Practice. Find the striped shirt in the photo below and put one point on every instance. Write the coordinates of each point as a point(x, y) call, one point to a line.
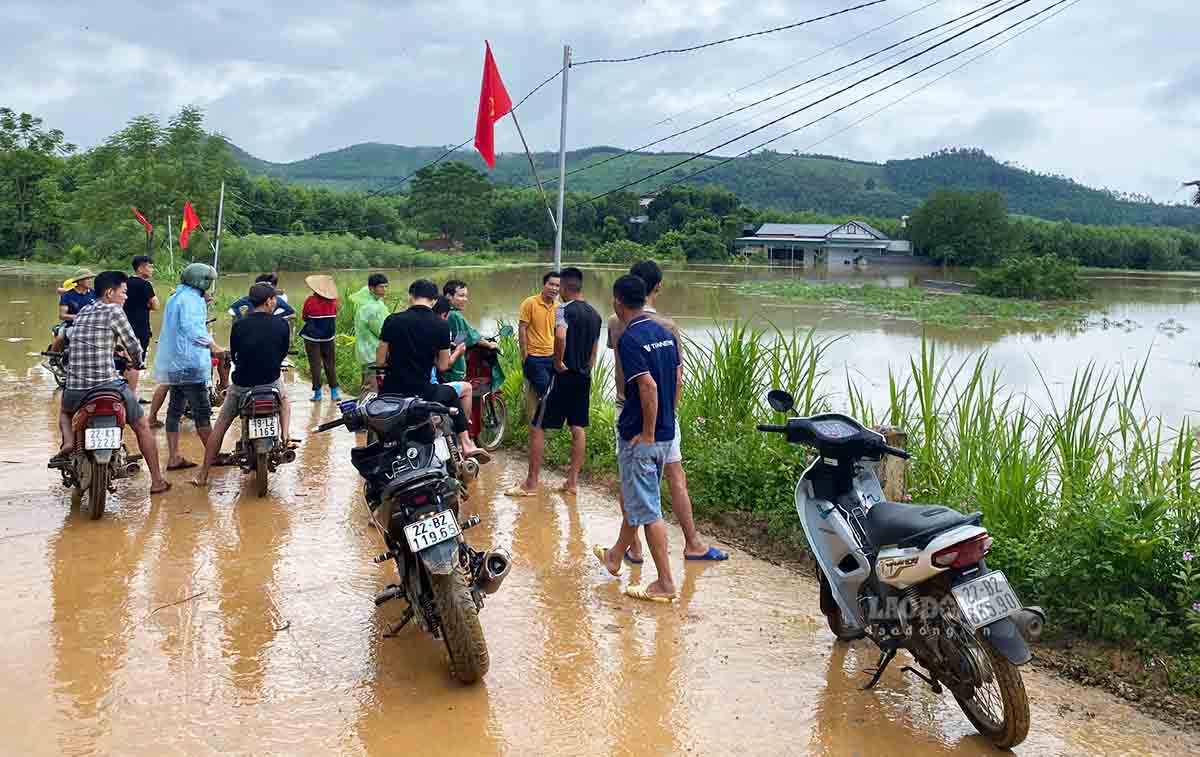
point(99, 330)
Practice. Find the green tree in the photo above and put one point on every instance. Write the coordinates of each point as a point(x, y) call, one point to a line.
point(974, 224)
point(30, 201)
point(613, 230)
point(453, 199)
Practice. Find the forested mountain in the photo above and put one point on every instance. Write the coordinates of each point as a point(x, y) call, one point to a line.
point(767, 179)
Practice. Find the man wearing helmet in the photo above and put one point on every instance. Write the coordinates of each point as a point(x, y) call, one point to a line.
point(184, 357)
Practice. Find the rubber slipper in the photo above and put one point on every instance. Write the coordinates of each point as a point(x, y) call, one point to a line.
point(182, 465)
point(600, 551)
point(629, 558)
point(482, 455)
point(164, 490)
point(639, 592)
point(568, 490)
point(516, 491)
point(713, 555)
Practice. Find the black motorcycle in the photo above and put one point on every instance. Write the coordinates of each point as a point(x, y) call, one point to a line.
point(414, 478)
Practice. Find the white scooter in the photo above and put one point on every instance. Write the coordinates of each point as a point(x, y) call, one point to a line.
point(910, 577)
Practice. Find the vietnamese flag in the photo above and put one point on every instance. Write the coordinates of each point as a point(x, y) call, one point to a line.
point(142, 220)
point(190, 221)
point(494, 104)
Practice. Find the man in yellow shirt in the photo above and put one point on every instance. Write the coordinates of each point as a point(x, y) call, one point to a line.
point(536, 335)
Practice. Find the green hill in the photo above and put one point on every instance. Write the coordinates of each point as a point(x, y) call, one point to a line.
point(767, 179)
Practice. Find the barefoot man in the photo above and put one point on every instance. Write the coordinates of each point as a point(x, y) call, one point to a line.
point(645, 430)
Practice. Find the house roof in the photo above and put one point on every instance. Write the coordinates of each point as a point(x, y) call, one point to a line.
point(812, 230)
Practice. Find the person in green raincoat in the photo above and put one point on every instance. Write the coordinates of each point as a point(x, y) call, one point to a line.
point(370, 311)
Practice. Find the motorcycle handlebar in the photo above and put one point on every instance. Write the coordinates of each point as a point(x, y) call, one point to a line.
point(771, 428)
point(331, 425)
point(894, 451)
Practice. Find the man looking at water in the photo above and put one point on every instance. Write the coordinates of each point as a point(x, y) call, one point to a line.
point(370, 311)
point(568, 400)
point(681, 502)
point(140, 302)
point(645, 430)
point(101, 329)
point(536, 337)
point(258, 345)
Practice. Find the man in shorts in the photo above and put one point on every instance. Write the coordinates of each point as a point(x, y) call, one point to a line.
point(535, 333)
point(140, 302)
point(258, 345)
point(681, 502)
point(568, 399)
point(646, 428)
point(99, 330)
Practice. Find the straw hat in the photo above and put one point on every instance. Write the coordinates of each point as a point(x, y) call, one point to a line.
point(82, 273)
point(323, 285)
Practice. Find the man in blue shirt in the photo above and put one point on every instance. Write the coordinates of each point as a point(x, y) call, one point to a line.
point(650, 358)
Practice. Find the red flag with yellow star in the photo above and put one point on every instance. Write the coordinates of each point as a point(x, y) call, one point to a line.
point(494, 104)
point(190, 221)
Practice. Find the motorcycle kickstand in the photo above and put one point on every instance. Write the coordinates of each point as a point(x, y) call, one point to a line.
point(398, 627)
point(885, 659)
point(933, 682)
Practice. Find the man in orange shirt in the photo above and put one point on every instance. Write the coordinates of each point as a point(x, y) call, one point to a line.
point(536, 336)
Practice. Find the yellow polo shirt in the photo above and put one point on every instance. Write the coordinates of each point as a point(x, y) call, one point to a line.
point(540, 317)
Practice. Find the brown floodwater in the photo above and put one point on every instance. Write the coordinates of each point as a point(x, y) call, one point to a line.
point(214, 622)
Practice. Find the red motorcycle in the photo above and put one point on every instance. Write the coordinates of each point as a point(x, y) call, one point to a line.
point(489, 413)
point(100, 456)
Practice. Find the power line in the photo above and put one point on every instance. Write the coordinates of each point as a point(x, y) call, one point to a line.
point(815, 102)
point(834, 112)
point(781, 92)
point(693, 48)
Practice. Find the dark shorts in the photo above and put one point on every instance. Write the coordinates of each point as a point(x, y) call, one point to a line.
point(538, 372)
point(144, 339)
point(197, 396)
point(568, 400)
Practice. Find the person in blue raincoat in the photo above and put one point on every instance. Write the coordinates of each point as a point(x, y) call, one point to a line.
point(184, 357)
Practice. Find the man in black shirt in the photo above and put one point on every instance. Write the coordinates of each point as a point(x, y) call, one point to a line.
point(258, 345)
point(141, 300)
point(568, 400)
point(411, 345)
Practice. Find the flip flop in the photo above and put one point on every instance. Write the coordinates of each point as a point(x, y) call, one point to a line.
point(639, 592)
point(182, 465)
point(516, 491)
point(164, 490)
point(224, 459)
point(482, 455)
point(629, 558)
point(712, 555)
point(599, 551)
point(568, 490)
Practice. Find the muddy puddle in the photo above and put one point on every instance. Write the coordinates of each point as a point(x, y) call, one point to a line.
point(214, 622)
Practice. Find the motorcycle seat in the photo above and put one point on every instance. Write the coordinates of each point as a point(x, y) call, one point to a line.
point(889, 523)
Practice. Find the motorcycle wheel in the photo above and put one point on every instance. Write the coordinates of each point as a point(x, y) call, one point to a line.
point(461, 629)
point(999, 709)
point(833, 614)
point(98, 493)
point(260, 474)
point(492, 420)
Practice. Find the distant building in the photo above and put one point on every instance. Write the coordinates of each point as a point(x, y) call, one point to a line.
point(809, 244)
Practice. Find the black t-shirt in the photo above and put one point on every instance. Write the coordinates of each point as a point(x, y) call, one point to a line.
point(258, 345)
point(583, 331)
point(137, 305)
point(414, 339)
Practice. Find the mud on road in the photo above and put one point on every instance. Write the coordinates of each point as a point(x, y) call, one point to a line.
point(214, 622)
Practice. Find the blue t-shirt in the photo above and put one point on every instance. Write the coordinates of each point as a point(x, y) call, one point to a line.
point(76, 301)
point(647, 347)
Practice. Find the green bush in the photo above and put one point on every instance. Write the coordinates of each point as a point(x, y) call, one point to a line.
point(621, 251)
point(1033, 278)
point(517, 244)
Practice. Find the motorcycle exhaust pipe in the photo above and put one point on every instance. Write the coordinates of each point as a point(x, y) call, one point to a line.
point(289, 455)
point(496, 565)
point(131, 468)
point(1029, 622)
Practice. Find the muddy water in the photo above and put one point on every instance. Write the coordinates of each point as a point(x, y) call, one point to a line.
point(214, 622)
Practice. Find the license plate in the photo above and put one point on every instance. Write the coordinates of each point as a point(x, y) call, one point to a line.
point(441, 448)
point(432, 530)
point(986, 600)
point(102, 438)
point(264, 427)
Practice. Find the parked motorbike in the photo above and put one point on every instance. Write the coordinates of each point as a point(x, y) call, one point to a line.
point(261, 449)
point(100, 456)
point(489, 413)
point(910, 577)
point(414, 477)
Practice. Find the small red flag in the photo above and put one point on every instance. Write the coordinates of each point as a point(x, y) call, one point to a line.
point(145, 224)
point(190, 221)
point(494, 104)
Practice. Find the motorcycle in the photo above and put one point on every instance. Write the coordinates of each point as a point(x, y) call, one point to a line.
point(261, 449)
point(489, 413)
point(414, 477)
point(100, 457)
point(911, 577)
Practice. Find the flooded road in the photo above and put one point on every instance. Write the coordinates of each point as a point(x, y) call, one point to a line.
point(213, 622)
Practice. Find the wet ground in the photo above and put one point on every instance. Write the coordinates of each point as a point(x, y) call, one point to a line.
point(214, 622)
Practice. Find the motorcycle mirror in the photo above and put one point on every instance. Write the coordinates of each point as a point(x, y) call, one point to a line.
point(506, 330)
point(780, 401)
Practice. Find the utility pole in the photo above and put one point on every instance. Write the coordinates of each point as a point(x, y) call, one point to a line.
point(562, 160)
point(220, 217)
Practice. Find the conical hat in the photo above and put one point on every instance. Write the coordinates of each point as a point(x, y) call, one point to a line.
point(323, 285)
point(82, 273)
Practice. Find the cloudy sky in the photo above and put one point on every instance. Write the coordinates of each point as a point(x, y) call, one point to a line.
point(1106, 93)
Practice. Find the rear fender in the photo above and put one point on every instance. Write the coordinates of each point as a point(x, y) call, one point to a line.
point(440, 559)
point(265, 444)
point(102, 456)
point(1005, 637)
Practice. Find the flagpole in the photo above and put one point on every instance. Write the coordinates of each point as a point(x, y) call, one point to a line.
point(562, 160)
point(533, 169)
point(170, 248)
point(220, 217)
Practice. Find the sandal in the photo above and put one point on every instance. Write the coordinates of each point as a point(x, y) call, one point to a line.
point(165, 488)
point(639, 592)
point(183, 464)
